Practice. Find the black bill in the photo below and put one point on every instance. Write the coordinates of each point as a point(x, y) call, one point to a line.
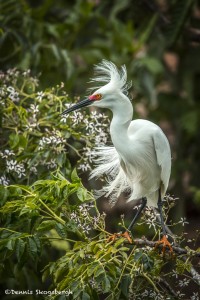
point(80, 104)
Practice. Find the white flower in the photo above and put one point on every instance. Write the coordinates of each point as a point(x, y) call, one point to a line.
point(12, 94)
point(26, 73)
point(33, 170)
point(96, 220)
point(195, 296)
point(179, 294)
point(183, 221)
point(13, 165)
point(184, 282)
point(76, 117)
point(34, 108)
point(7, 153)
point(84, 167)
point(20, 170)
point(64, 119)
point(4, 180)
point(51, 164)
point(73, 216)
point(151, 223)
point(175, 274)
point(156, 296)
point(88, 125)
point(86, 228)
point(40, 95)
point(31, 125)
point(53, 141)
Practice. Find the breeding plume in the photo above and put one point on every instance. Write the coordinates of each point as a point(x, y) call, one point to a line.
point(140, 160)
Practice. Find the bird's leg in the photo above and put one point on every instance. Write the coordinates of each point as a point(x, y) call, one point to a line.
point(126, 234)
point(164, 241)
point(142, 206)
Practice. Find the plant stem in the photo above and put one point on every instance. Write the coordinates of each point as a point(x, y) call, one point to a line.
point(151, 282)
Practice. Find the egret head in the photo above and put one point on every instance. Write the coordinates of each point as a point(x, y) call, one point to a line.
point(111, 86)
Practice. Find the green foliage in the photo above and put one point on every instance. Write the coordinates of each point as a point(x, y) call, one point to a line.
point(91, 266)
point(35, 138)
point(49, 220)
point(180, 13)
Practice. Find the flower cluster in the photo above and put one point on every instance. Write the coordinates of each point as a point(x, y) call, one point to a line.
point(7, 153)
point(82, 217)
point(14, 166)
point(10, 92)
point(53, 140)
point(8, 81)
point(33, 117)
point(95, 127)
point(13, 94)
point(4, 180)
point(150, 294)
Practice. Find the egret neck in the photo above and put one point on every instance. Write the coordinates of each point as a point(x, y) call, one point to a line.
point(122, 117)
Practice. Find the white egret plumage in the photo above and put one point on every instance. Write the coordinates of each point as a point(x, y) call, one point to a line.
point(140, 159)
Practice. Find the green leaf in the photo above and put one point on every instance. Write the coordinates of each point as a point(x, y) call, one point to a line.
point(20, 248)
point(46, 225)
point(74, 176)
point(10, 245)
point(138, 255)
point(106, 284)
point(60, 230)
point(38, 243)
point(119, 242)
point(179, 15)
point(13, 140)
point(4, 193)
point(91, 268)
point(82, 193)
point(85, 296)
point(125, 283)
point(181, 266)
point(32, 247)
point(98, 270)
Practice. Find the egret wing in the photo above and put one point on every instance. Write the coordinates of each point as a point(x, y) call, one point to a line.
point(163, 155)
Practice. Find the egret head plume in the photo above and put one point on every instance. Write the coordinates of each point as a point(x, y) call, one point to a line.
point(107, 73)
point(109, 83)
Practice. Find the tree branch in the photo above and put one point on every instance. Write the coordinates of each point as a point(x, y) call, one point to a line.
point(178, 250)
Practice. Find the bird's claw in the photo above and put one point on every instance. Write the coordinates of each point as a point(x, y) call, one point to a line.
point(166, 244)
point(125, 235)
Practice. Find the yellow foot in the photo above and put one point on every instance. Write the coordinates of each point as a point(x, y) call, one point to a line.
point(166, 244)
point(126, 235)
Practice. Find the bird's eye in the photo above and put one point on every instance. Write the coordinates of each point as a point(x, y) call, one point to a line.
point(98, 96)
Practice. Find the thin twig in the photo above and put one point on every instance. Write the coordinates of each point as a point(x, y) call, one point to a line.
point(167, 286)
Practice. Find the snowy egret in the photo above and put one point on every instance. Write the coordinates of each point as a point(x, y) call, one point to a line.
point(140, 160)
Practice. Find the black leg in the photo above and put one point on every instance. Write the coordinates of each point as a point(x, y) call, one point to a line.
point(142, 206)
point(160, 204)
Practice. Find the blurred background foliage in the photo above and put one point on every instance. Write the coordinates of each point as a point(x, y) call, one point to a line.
point(159, 41)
